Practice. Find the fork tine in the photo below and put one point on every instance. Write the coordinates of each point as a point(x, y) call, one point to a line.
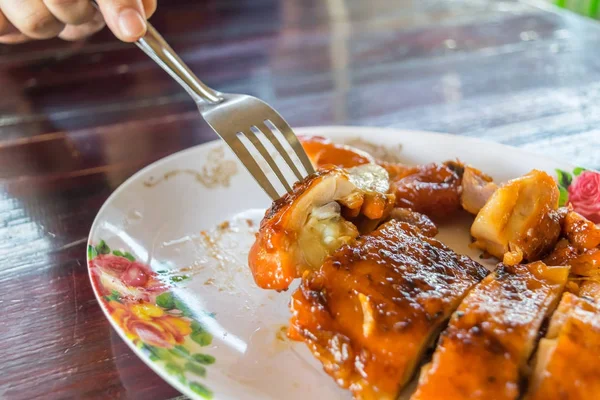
point(269, 134)
point(246, 158)
point(283, 127)
point(265, 154)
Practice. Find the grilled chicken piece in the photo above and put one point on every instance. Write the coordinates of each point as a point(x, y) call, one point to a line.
point(432, 189)
point(567, 363)
point(585, 267)
point(562, 254)
point(521, 221)
point(323, 152)
point(304, 226)
point(590, 289)
point(477, 188)
point(484, 350)
point(586, 264)
point(581, 232)
point(376, 305)
point(418, 220)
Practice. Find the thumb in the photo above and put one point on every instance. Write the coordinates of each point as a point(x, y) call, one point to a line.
point(125, 18)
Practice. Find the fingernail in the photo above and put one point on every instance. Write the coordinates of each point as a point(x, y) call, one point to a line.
point(131, 23)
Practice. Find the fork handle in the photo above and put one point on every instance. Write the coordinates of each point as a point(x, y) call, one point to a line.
point(157, 48)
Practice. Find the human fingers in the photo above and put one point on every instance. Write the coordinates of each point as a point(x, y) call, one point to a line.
point(77, 32)
point(32, 18)
point(71, 12)
point(125, 18)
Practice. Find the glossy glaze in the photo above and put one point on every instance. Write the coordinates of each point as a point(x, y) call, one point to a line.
point(521, 221)
point(421, 221)
point(567, 364)
point(323, 152)
point(77, 119)
point(581, 233)
point(293, 237)
point(431, 189)
point(373, 308)
point(483, 353)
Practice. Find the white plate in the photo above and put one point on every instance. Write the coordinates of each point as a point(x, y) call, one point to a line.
point(188, 305)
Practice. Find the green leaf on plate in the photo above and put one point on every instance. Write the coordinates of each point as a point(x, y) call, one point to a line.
point(564, 178)
point(103, 248)
point(166, 300)
point(92, 253)
point(159, 353)
point(203, 338)
point(126, 255)
point(176, 371)
point(201, 390)
point(114, 296)
point(179, 278)
point(197, 326)
point(181, 306)
point(563, 197)
point(200, 335)
point(577, 171)
point(195, 369)
point(205, 359)
point(180, 351)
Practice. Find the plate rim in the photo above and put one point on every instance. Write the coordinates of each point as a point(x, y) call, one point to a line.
point(330, 131)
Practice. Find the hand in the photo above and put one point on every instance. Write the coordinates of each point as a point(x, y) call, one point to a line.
point(23, 20)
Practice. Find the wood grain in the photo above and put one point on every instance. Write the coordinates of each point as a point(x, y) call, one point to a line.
point(77, 119)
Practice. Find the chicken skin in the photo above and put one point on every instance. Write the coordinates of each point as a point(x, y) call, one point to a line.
point(418, 220)
point(375, 306)
point(484, 351)
point(432, 189)
point(567, 363)
point(304, 226)
point(520, 221)
point(323, 152)
point(582, 233)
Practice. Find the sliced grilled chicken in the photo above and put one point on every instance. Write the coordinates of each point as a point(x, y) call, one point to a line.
point(521, 221)
point(421, 221)
point(567, 363)
point(303, 227)
point(376, 305)
point(590, 289)
point(483, 352)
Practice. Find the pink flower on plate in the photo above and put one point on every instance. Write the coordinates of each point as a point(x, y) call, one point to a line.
point(584, 195)
point(127, 277)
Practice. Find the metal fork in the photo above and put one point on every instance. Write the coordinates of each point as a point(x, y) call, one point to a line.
point(234, 115)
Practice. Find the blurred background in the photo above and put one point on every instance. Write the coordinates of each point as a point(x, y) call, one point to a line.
point(584, 7)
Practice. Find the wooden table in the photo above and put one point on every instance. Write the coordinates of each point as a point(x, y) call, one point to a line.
point(77, 119)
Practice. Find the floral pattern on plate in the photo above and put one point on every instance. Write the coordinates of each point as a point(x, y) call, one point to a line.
point(166, 225)
point(581, 189)
point(140, 301)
